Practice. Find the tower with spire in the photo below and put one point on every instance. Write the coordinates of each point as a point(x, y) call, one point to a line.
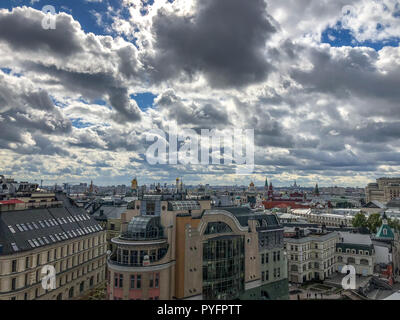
point(270, 191)
point(134, 184)
point(316, 190)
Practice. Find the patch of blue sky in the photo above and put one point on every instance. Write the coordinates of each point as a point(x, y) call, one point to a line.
point(78, 123)
point(144, 100)
point(6, 70)
point(10, 72)
point(82, 11)
point(339, 37)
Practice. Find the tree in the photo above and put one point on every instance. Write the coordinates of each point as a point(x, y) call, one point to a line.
point(374, 222)
point(394, 224)
point(360, 220)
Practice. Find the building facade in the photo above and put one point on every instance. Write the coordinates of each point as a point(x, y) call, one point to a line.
point(184, 249)
point(311, 256)
point(384, 190)
point(62, 236)
point(356, 250)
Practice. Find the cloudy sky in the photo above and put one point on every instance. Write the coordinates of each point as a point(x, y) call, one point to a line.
point(317, 80)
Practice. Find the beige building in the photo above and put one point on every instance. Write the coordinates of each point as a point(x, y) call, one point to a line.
point(62, 236)
point(311, 256)
point(184, 249)
point(324, 218)
point(384, 190)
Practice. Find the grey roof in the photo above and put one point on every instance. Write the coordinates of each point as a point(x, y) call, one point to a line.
point(244, 214)
point(28, 229)
point(394, 203)
point(356, 238)
point(111, 212)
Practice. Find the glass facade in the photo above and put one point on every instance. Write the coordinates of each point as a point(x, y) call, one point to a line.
point(223, 268)
point(134, 258)
point(144, 228)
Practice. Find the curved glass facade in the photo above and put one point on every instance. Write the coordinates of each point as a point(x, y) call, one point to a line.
point(223, 268)
point(144, 228)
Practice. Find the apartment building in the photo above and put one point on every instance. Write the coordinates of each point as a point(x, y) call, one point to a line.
point(384, 190)
point(310, 254)
point(325, 218)
point(184, 249)
point(356, 250)
point(62, 236)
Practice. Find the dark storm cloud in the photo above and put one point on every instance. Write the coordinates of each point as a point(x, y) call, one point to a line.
point(128, 63)
point(22, 127)
point(23, 31)
point(202, 115)
point(377, 132)
point(225, 40)
point(350, 74)
point(94, 86)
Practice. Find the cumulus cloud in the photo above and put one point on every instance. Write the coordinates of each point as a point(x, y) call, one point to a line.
point(69, 107)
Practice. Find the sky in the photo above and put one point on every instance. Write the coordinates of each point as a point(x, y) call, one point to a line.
point(317, 80)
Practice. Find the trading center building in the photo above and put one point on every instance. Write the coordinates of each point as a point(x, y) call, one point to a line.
point(184, 249)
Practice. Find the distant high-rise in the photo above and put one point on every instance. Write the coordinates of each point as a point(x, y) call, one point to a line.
point(384, 190)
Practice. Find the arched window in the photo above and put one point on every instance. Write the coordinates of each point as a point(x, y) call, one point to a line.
point(217, 227)
point(59, 296)
point(82, 286)
point(364, 262)
point(351, 260)
point(71, 292)
point(340, 259)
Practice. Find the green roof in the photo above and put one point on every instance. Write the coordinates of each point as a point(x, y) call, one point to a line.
point(385, 232)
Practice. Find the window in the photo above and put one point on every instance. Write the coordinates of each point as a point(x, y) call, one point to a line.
point(139, 281)
point(116, 280)
point(121, 280)
point(11, 229)
point(13, 284)
point(157, 280)
point(27, 263)
point(71, 292)
point(14, 246)
point(151, 282)
point(14, 266)
point(132, 281)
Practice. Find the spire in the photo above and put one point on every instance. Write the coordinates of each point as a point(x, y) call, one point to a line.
point(266, 182)
point(316, 190)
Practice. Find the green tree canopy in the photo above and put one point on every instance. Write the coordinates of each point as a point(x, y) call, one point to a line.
point(374, 222)
point(360, 220)
point(394, 224)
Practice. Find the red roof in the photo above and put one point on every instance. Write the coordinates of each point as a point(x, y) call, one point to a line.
point(283, 204)
point(12, 201)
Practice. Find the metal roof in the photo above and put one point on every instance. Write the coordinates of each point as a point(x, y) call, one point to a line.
point(24, 230)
